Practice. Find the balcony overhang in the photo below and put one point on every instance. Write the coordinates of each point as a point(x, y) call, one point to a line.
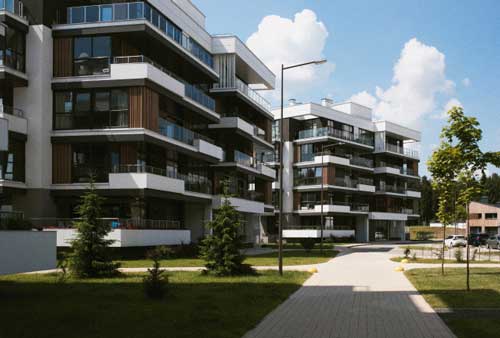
point(14, 20)
point(330, 159)
point(387, 216)
point(242, 205)
point(16, 124)
point(261, 171)
point(141, 29)
point(242, 128)
point(13, 77)
point(316, 233)
point(201, 148)
point(244, 98)
point(319, 139)
point(330, 209)
point(137, 75)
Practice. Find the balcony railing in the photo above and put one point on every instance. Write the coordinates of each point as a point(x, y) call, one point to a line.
point(244, 89)
point(11, 111)
point(181, 134)
point(190, 90)
point(244, 159)
point(362, 162)
point(138, 11)
point(408, 171)
point(12, 6)
point(114, 223)
point(365, 181)
point(401, 150)
point(308, 180)
point(345, 182)
point(95, 120)
point(391, 188)
point(336, 133)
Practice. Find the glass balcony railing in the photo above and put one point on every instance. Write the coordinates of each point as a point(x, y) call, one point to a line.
point(391, 188)
point(244, 159)
point(199, 96)
point(176, 132)
point(11, 111)
point(12, 59)
point(361, 161)
point(138, 11)
point(115, 223)
point(12, 6)
point(308, 181)
point(244, 89)
point(393, 148)
point(336, 133)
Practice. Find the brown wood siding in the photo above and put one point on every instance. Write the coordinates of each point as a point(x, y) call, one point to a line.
point(296, 153)
point(296, 200)
point(144, 108)
point(63, 57)
point(328, 175)
point(128, 154)
point(61, 163)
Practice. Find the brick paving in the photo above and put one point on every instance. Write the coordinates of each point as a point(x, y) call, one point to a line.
point(357, 294)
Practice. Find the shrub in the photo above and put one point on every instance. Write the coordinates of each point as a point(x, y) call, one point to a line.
point(15, 223)
point(308, 244)
point(155, 283)
point(474, 253)
point(458, 255)
point(414, 256)
point(62, 275)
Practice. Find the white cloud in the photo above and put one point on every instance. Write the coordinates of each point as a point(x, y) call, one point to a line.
point(466, 82)
point(419, 76)
point(364, 98)
point(281, 40)
point(453, 102)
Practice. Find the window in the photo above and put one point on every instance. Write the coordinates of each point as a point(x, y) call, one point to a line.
point(63, 110)
point(12, 164)
point(490, 215)
point(12, 53)
point(91, 55)
point(475, 216)
point(306, 152)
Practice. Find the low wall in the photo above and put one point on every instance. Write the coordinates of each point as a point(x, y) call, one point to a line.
point(130, 238)
point(312, 233)
point(26, 251)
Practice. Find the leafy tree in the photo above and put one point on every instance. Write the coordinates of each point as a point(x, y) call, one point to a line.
point(428, 202)
point(221, 249)
point(491, 187)
point(457, 161)
point(89, 258)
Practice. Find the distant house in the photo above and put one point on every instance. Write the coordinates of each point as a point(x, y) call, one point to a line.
point(483, 217)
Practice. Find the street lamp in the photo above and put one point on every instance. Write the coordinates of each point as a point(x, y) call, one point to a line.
point(280, 226)
point(322, 226)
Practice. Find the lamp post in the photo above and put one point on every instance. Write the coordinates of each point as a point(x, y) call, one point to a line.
point(280, 226)
point(322, 225)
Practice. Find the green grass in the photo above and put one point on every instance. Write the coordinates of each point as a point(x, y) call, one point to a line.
point(449, 292)
point(268, 259)
point(422, 247)
point(196, 305)
point(438, 261)
point(328, 245)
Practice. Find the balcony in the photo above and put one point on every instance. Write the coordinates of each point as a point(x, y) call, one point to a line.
point(394, 169)
point(395, 149)
point(249, 164)
point(13, 10)
point(135, 11)
point(336, 134)
point(344, 160)
point(17, 121)
point(243, 127)
point(333, 207)
point(247, 92)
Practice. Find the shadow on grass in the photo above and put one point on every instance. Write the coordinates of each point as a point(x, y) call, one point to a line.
point(195, 305)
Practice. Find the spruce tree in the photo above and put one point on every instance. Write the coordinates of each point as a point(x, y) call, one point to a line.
point(89, 258)
point(221, 249)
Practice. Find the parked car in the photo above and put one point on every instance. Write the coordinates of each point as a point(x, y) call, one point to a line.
point(455, 240)
point(493, 242)
point(478, 239)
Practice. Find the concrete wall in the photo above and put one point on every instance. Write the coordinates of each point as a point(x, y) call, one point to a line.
point(130, 238)
point(26, 251)
point(195, 218)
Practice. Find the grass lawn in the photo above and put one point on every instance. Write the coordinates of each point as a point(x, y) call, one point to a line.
point(196, 306)
point(438, 261)
point(423, 247)
point(449, 292)
point(268, 259)
point(327, 245)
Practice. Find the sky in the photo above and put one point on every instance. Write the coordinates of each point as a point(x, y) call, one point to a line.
point(408, 60)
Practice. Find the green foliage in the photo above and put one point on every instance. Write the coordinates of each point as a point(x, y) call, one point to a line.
point(89, 258)
point(221, 249)
point(308, 244)
point(62, 266)
point(155, 283)
point(491, 187)
point(15, 223)
point(459, 255)
point(428, 202)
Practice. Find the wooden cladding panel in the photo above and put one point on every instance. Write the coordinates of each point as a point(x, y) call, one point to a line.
point(144, 108)
point(63, 57)
point(61, 163)
point(128, 154)
point(328, 175)
point(296, 200)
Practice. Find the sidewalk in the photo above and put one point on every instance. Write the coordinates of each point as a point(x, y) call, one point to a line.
point(357, 294)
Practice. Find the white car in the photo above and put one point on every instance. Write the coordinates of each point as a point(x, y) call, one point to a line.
point(455, 240)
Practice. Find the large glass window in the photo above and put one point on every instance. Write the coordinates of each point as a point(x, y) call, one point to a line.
point(91, 160)
point(12, 162)
point(91, 55)
point(12, 49)
point(100, 108)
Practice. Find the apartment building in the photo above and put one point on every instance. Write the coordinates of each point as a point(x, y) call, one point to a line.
point(357, 177)
point(484, 218)
point(141, 97)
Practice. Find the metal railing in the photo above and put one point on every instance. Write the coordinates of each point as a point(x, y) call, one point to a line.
point(12, 111)
point(146, 169)
point(115, 223)
point(138, 11)
point(363, 207)
point(361, 161)
point(12, 6)
point(401, 150)
point(391, 188)
point(244, 159)
point(336, 133)
point(117, 118)
point(365, 181)
point(345, 182)
point(189, 90)
point(244, 89)
point(308, 180)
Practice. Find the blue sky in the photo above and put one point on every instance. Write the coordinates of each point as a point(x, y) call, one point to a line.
point(365, 41)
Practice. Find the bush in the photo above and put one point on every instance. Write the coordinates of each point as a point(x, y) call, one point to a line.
point(458, 255)
point(308, 244)
point(15, 223)
point(407, 253)
point(155, 283)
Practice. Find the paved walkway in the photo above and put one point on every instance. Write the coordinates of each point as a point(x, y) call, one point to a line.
point(358, 294)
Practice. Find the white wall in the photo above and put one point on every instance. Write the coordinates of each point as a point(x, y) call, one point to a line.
point(298, 233)
point(129, 238)
point(36, 101)
point(26, 251)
